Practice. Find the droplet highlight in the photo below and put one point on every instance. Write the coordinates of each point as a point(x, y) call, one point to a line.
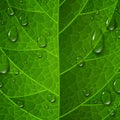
point(86, 93)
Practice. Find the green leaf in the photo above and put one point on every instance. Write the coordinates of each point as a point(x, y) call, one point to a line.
point(59, 59)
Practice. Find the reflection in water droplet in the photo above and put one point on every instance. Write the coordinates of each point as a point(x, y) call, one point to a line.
point(80, 61)
point(97, 42)
point(111, 25)
point(10, 11)
point(16, 71)
point(23, 20)
point(4, 64)
point(42, 42)
point(106, 98)
point(116, 85)
point(51, 98)
point(13, 34)
point(86, 93)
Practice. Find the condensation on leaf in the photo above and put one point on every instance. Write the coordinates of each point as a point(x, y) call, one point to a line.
point(1, 84)
point(13, 34)
point(20, 104)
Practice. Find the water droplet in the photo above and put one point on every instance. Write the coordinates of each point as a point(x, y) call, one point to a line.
point(40, 55)
point(16, 71)
point(42, 42)
point(4, 64)
point(86, 93)
point(106, 98)
point(23, 20)
point(97, 12)
point(118, 34)
point(46, 107)
point(111, 112)
point(20, 104)
point(1, 84)
point(10, 11)
point(13, 34)
point(51, 98)
point(116, 85)
point(97, 42)
point(111, 25)
point(80, 61)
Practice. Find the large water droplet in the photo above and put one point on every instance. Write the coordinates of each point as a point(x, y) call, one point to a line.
point(13, 34)
point(111, 25)
point(23, 20)
point(42, 42)
point(86, 93)
point(116, 85)
point(97, 42)
point(80, 62)
point(10, 11)
point(4, 64)
point(106, 98)
point(51, 98)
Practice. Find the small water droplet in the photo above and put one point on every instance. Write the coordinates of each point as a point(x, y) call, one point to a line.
point(111, 112)
point(16, 71)
point(42, 42)
point(80, 61)
point(86, 93)
point(1, 84)
point(40, 55)
point(111, 25)
point(106, 98)
point(20, 104)
point(13, 34)
point(97, 41)
point(23, 20)
point(10, 11)
point(118, 34)
point(46, 107)
point(51, 98)
point(97, 12)
point(116, 85)
point(4, 64)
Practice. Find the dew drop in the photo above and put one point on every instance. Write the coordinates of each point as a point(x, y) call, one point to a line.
point(4, 64)
point(97, 42)
point(10, 11)
point(13, 34)
point(106, 98)
point(80, 61)
point(118, 34)
point(111, 25)
point(97, 12)
point(23, 20)
point(1, 84)
point(20, 104)
point(116, 85)
point(51, 98)
point(86, 93)
point(42, 42)
point(16, 71)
